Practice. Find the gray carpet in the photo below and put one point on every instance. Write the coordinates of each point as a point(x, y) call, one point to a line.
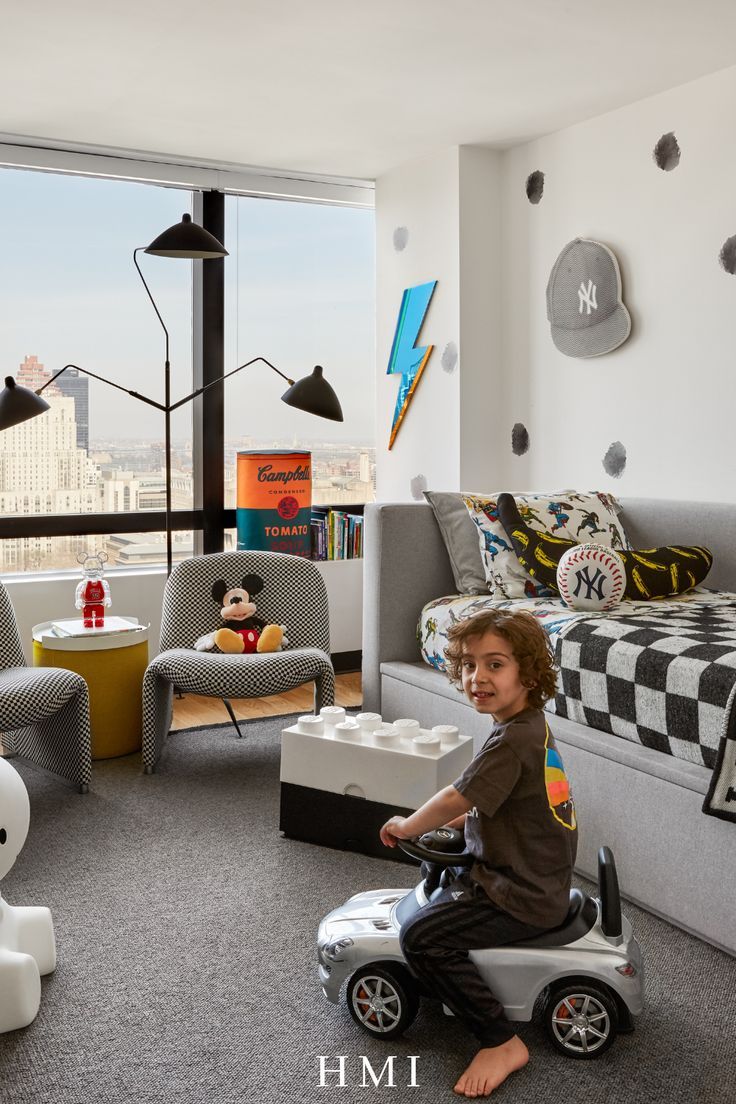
point(187, 967)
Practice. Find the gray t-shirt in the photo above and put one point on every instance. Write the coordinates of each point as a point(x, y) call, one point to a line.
point(522, 829)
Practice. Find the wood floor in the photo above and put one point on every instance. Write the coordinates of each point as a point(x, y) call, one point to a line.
point(192, 710)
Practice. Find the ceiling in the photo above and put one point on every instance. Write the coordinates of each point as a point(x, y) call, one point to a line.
point(337, 87)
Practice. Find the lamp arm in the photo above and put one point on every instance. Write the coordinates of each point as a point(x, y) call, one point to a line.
point(212, 383)
point(133, 394)
point(153, 301)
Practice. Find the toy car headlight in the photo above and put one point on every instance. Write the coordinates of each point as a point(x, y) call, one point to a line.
point(334, 949)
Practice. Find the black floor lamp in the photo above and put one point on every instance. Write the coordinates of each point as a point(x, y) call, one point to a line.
point(185, 240)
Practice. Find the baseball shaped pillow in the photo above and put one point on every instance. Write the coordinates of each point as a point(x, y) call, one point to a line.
point(591, 577)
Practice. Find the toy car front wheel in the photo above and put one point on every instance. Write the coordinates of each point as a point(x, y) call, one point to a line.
point(382, 1000)
point(581, 1020)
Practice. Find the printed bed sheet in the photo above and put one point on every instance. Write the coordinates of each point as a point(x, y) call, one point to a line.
point(661, 674)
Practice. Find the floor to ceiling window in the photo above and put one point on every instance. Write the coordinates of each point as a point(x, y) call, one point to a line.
point(71, 294)
point(299, 290)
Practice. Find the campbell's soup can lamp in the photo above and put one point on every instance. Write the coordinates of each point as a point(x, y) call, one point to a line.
point(274, 501)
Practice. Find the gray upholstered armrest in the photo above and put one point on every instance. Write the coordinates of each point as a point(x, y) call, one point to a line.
point(406, 565)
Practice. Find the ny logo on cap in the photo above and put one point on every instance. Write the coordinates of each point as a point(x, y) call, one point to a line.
point(586, 297)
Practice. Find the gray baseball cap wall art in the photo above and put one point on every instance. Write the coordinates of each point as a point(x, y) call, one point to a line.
point(585, 307)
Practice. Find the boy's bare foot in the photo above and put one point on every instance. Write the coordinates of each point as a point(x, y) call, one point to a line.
point(491, 1066)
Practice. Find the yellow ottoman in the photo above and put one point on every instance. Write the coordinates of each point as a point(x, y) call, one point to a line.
point(113, 667)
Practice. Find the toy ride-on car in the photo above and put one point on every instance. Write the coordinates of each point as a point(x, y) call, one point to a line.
point(588, 970)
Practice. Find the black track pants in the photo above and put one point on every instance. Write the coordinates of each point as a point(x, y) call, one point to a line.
point(436, 942)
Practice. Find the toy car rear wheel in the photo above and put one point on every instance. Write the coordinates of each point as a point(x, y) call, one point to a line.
point(382, 1000)
point(581, 1020)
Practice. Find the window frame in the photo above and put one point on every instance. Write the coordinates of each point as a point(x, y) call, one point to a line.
point(208, 184)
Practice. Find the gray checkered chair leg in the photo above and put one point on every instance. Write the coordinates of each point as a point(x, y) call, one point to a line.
point(294, 595)
point(44, 711)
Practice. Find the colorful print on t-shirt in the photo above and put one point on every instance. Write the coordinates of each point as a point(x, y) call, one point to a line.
point(556, 784)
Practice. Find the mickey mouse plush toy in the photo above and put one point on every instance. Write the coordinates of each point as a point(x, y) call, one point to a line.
point(242, 633)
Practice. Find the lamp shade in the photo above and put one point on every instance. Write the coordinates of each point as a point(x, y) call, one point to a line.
point(314, 395)
point(18, 404)
point(188, 240)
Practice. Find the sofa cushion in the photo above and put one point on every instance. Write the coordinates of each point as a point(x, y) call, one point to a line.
point(438, 615)
point(650, 573)
point(461, 540)
point(576, 516)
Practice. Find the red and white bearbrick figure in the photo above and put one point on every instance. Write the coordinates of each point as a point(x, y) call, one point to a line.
point(93, 592)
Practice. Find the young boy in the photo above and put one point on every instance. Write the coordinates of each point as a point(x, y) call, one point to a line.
point(515, 805)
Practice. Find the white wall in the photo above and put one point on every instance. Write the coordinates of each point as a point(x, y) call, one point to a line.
point(449, 205)
point(480, 373)
point(423, 198)
point(667, 394)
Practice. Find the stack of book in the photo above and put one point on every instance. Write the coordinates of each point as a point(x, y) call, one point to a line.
point(336, 535)
point(112, 625)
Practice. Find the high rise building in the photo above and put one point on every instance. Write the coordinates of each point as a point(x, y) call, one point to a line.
point(32, 374)
point(43, 470)
point(73, 383)
point(76, 385)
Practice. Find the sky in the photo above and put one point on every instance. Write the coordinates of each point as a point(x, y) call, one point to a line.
point(299, 290)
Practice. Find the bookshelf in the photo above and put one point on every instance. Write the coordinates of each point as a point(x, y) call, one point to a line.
point(344, 582)
point(344, 577)
point(336, 533)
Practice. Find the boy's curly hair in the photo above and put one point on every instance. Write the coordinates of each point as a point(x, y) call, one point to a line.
point(529, 644)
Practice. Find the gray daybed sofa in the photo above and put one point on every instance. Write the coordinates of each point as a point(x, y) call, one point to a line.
point(646, 805)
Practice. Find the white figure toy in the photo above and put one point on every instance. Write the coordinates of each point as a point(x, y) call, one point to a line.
point(27, 945)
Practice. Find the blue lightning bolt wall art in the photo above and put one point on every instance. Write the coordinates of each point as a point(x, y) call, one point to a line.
point(405, 358)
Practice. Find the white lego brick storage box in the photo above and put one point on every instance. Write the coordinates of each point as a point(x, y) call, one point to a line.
point(343, 777)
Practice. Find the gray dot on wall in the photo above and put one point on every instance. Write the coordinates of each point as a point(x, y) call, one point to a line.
point(614, 461)
point(535, 186)
point(449, 357)
point(727, 256)
point(417, 486)
point(519, 439)
point(667, 152)
point(401, 237)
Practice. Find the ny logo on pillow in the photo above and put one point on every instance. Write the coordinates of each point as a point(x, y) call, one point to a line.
point(650, 572)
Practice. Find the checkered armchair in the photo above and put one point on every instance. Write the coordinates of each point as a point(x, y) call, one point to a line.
point(44, 711)
point(293, 595)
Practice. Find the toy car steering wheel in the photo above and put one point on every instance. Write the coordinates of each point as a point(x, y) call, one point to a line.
point(444, 847)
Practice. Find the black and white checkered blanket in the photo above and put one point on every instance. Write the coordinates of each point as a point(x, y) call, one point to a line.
point(665, 679)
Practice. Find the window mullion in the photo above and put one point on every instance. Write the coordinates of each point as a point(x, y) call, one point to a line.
point(212, 444)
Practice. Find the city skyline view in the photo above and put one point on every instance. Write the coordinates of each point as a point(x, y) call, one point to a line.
point(53, 464)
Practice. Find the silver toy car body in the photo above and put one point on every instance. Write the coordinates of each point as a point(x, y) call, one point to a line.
point(590, 969)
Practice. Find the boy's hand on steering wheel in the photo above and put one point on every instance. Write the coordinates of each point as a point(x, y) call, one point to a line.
point(393, 831)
